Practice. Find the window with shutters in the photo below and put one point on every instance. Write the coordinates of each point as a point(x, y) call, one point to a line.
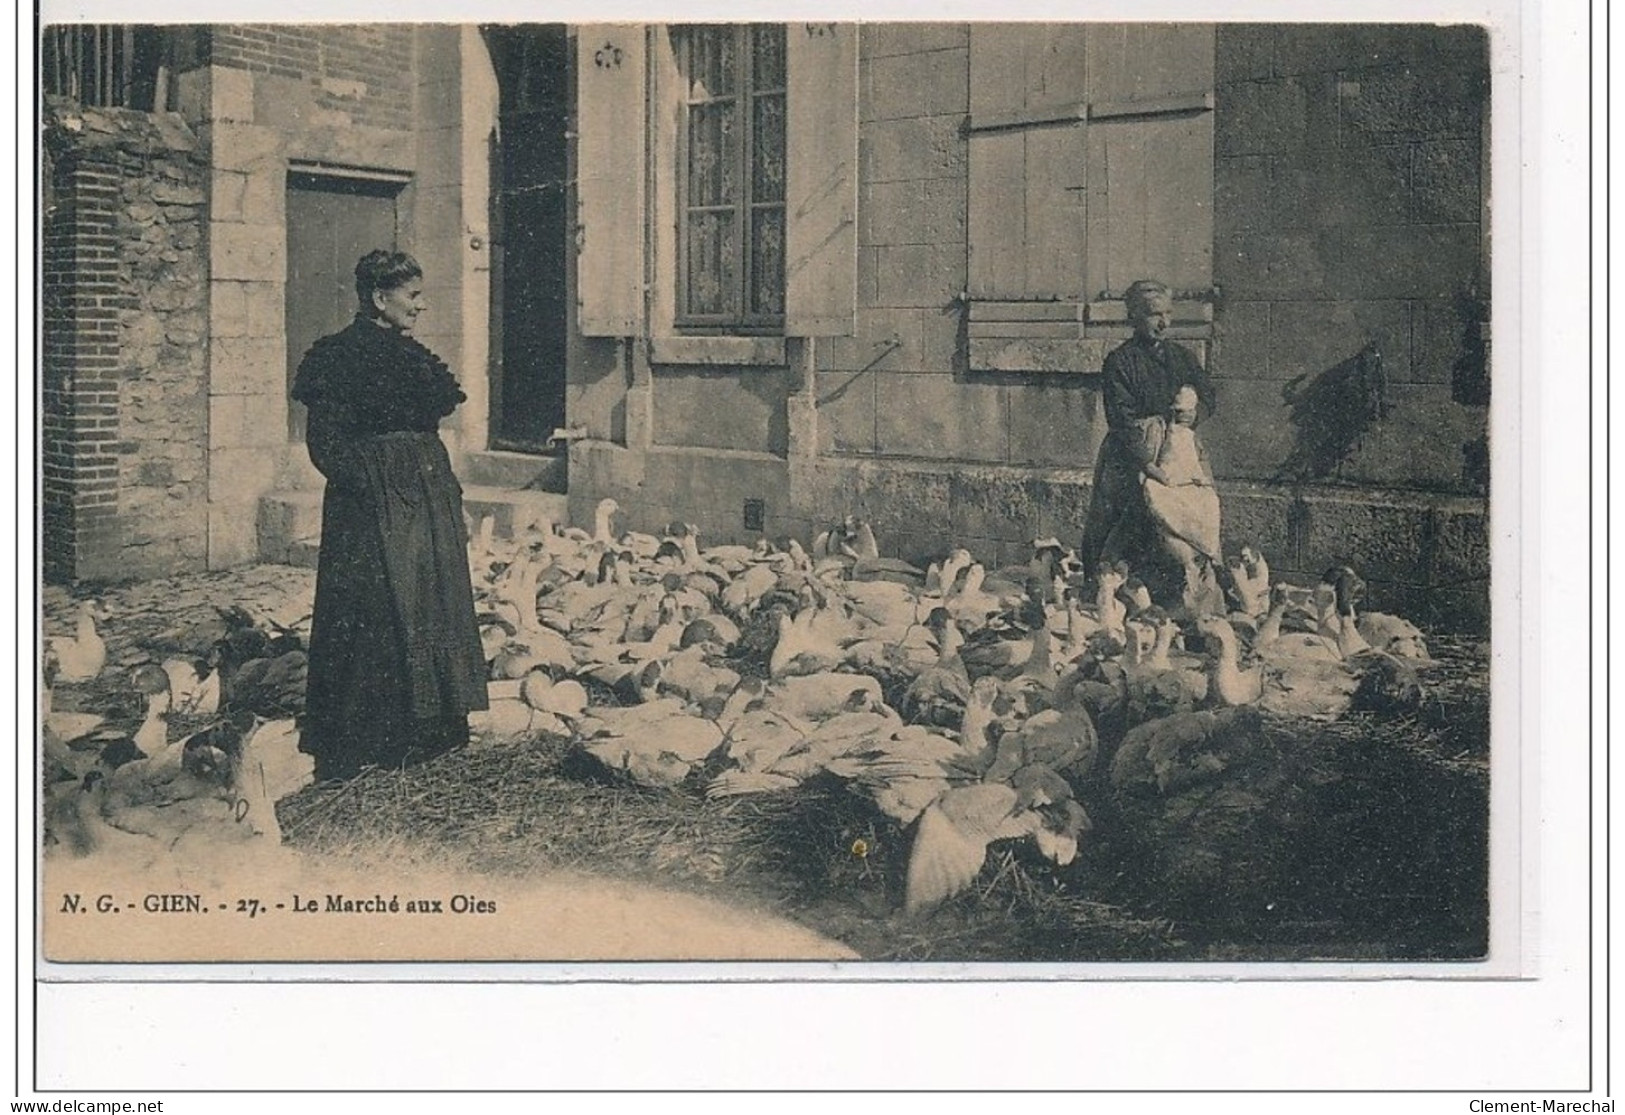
point(731, 177)
point(1091, 165)
point(745, 245)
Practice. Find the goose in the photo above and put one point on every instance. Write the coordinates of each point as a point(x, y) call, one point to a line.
point(1156, 666)
point(603, 531)
point(1109, 609)
point(1061, 740)
point(1340, 623)
point(1393, 635)
point(975, 742)
point(663, 640)
point(817, 697)
point(1270, 642)
point(714, 631)
point(565, 699)
point(801, 649)
point(1251, 576)
point(269, 766)
point(860, 727)
point(1149, 691)
point(689, 674)
point(853, 538)
point(657, 744)
point(756, 743)
point(885, 604)
point(1079, 627)
point(1369, 630)
point(1040, 577)
point(633, 683)
point(1004, 650)
point(938, 693)
point(1180, 751)
point(951, 842)
point(940, 580)
point(970, 605)
point(193, 686)
point(149, 739)
point(1032, 686)
point(82, 656)
point(742, 595)
point(1135, 597)
point(896, 771)
point(1228, 684)
point(76, 823)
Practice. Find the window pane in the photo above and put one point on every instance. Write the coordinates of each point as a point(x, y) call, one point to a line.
point(712, 277)
point(767, 59)
point(713, 68)
point(767, 262)
point(767, 151)
point(713, 155)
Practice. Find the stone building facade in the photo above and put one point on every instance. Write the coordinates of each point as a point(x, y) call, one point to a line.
point(962, 206)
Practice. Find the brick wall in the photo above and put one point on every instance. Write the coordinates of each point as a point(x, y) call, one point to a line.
point(363, 72)
point(124, 359)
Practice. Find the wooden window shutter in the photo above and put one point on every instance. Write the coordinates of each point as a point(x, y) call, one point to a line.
point(821, 260)
point(1027, 161)
point(1150, 191)
point(1091, 165)
point(610, 175)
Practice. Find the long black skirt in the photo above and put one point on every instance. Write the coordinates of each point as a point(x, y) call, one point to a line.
point(396, 664)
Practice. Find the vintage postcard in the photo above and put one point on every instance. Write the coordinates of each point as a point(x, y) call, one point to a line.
point(891, 493)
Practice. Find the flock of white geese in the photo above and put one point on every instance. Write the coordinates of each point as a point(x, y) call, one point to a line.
point(963, 702)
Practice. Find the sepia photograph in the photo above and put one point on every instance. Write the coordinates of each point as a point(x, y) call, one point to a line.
point(888, 493)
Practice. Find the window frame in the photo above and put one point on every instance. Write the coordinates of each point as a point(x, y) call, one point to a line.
point(739, 321)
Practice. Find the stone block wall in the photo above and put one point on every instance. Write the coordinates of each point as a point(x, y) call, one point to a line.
point(125, 358)
point(1349, 210)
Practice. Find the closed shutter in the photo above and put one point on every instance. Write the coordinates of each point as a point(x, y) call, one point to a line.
point(1091, 165)
point(821, 260)
point(610, 169)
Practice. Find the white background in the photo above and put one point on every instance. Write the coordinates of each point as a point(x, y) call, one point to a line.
point(1528, 1037)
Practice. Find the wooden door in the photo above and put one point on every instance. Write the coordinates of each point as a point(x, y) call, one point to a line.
point(332, 223)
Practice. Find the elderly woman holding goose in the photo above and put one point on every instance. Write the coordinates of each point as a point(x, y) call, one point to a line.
point(1153, 505)
point(396, 663)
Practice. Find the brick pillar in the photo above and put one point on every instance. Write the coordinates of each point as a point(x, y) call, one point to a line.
point(82, 299)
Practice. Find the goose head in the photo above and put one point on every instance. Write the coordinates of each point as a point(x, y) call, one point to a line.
point(603, 529)
point(1164, 629)
point(952, 566)
point(1139, 640)
point(948, 636)
point(1219, 632)
point(975, 574)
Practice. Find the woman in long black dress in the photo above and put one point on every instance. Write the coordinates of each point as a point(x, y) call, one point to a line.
point(1141, 377)
point(396, 664)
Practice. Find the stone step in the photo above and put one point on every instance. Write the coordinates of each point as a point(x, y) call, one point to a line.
point(290, 523)
point(287, 518)
point(495, 468)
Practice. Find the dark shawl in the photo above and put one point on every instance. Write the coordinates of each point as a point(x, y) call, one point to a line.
point(395, 655)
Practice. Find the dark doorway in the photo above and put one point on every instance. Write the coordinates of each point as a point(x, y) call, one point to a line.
point(529, 232)
point(332, 222)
